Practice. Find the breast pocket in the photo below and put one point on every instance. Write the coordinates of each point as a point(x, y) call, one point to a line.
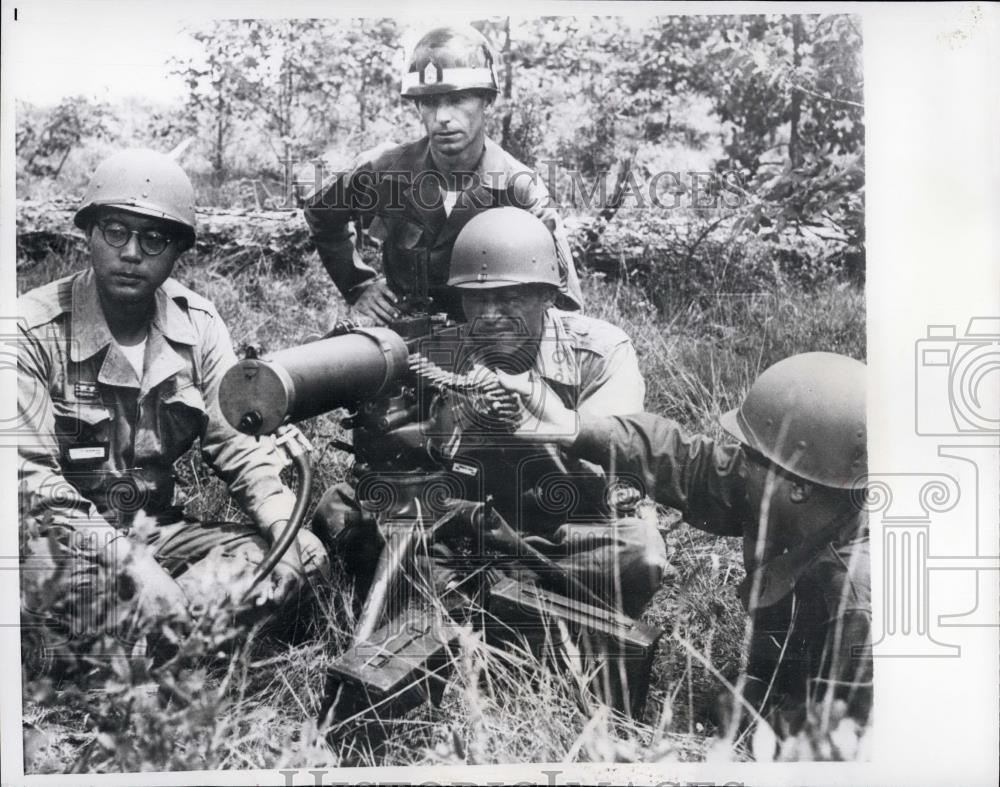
point(81, 426)
point(183, 418)
point(84, 434)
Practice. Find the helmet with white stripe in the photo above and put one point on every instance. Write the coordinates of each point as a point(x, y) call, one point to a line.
point(449, 59)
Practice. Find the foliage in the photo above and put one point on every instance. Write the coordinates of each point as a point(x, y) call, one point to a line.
point(606, 108)
point(290, 80)
point(711, 294)
point(44, 139)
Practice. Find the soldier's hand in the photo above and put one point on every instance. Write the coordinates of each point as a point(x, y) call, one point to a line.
point(481, 523)
point(158, 596)
point(281, 584)
point(376, 306)
point(545, 418)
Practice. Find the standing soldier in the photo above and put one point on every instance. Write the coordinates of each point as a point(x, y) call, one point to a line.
point(792, 488)
point(117, 376)
point(415, 198)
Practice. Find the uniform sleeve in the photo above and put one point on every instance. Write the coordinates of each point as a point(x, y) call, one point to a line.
point(249, 467)
point(534, 197)
point(329, 215)
point(614, 386)
point(46, 497)
point(843, 576)
point(688, 472)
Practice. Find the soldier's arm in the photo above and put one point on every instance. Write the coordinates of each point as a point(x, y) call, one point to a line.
point(689, 472)
point(47, 498)
point(614, 386)
point(533, 196)
point(251, 468)
point(330, 215)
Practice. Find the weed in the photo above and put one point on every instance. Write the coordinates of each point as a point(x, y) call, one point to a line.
point(255, 705)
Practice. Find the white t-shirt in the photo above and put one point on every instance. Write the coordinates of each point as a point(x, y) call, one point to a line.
point(135, 354)
point(450, 198)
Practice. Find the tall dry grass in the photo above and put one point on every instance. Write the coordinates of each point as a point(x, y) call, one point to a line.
point(255, 705)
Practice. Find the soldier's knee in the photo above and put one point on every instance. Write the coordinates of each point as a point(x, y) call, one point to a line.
point(648, 563)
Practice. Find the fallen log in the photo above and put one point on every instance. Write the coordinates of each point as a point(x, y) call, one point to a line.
point(234, 238)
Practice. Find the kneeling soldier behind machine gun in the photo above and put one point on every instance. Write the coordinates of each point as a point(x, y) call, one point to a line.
point(435, 468)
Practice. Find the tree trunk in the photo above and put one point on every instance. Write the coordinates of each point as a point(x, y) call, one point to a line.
point(62, 161)
point(794, 145)
point(594, 230)
point(508, 79)
point(220, 131)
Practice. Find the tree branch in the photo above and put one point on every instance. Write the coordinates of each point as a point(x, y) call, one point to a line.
point(814, 94)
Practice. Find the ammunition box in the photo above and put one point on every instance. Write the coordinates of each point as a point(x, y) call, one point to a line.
point(404, 664)
point(617, 652)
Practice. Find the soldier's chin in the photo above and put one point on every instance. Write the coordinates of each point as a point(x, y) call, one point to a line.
point(449, 144)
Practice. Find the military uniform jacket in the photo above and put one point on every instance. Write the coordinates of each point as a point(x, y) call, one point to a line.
point(398, 198)
point(592, 367)
point(832, 586)
point(99, 443)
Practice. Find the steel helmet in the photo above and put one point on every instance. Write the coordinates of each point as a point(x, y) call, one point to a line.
point(145, 182)
point(502, 247)
point(448, 59)
point(807, 415)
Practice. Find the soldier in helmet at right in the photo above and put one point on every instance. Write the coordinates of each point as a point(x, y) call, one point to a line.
point(415, 198)
point(792, 487)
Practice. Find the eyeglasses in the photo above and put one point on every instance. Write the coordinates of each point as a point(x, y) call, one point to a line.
point(152, 242)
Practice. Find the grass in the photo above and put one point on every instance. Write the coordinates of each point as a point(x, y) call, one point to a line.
point(256, 706)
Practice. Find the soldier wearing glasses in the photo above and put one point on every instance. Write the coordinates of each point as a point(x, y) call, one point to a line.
point(117, 375)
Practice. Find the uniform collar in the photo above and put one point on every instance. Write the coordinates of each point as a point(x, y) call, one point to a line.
point(90, 328)
point(556, 361)
point(91, 335)
point(492, 170)
point(172, 321)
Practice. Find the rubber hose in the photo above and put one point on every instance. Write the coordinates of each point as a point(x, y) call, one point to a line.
point(303, 469)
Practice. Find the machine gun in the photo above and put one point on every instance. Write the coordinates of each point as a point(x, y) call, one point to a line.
point(413, 398)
